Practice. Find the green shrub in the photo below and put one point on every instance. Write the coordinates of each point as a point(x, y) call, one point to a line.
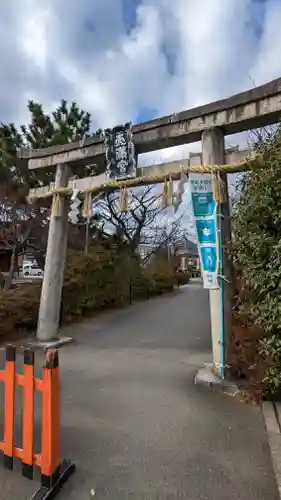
point(95, 281)
point(256, 252)
point(182, 278)
point(160, 274)
point(19, 309)
point(105, 278)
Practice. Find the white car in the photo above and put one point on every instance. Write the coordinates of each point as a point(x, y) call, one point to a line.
point(31, 270)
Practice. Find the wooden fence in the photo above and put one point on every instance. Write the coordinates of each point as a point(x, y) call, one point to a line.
point(53, 472)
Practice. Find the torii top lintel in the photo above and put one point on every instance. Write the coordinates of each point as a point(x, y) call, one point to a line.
point(254, 108)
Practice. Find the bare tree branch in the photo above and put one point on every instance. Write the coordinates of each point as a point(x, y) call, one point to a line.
point(144, 208)
point(162, 239)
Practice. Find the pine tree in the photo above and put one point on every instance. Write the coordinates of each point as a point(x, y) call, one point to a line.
point(66, 124)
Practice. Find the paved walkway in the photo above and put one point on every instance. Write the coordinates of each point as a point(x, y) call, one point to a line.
point(135, 424)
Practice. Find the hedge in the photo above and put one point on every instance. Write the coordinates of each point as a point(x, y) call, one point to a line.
point(256, 254)
point(19, 309)
point(182, 277)
point(103, 279)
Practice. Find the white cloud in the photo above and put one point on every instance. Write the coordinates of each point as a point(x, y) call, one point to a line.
point(178, 54)
point(33, 36)
point(268, 61)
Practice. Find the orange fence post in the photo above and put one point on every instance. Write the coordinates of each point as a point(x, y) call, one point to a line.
point(9, 412)
point(50, 457)
point(54, 473)
point(28, 414)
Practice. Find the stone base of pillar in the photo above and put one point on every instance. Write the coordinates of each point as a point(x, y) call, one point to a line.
point(207, 377)
point(33, 343)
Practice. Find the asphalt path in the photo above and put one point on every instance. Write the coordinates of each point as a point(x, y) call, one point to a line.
point(136, 425)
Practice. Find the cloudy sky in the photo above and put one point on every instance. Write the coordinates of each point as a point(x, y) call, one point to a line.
point(134, 59)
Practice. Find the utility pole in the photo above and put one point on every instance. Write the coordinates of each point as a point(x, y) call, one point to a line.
point(50, 303)
point(220, 299)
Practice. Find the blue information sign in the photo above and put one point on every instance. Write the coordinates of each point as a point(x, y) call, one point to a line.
point(206, 231)
point(209, 259)
point(204, 211)
point(203, 204)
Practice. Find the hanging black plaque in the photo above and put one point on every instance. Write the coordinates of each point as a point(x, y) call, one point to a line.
point(120, 152)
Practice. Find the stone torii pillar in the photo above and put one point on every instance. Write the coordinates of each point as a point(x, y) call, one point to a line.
point(50, 303)
point(221, 299)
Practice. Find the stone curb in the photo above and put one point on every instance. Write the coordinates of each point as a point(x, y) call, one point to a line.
point(272, 418)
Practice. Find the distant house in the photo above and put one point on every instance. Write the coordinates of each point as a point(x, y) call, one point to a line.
point(5, 259)
point(186, 254)
point(145, 250)
point(183, 251)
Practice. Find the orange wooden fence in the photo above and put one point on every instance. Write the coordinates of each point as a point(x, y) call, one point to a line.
point(49, 385)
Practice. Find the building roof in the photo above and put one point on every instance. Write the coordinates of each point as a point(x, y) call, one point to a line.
point(186, 245)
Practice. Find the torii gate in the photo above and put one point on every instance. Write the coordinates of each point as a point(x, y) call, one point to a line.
point(258, 107)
